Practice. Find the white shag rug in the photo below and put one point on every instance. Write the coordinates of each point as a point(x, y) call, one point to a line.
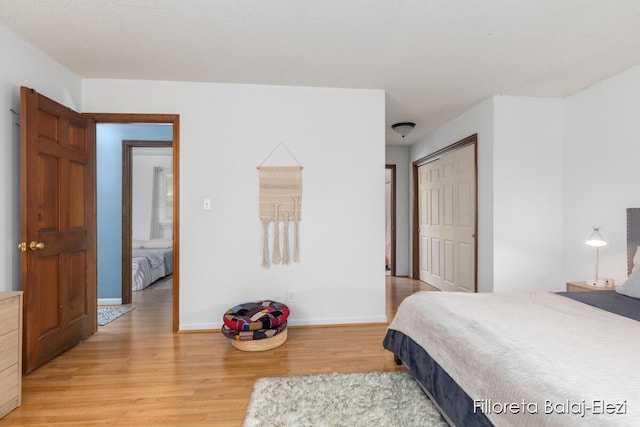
point(107, 314)
point(365, 399)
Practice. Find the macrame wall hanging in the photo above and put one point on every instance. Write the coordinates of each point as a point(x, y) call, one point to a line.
point(280, 210)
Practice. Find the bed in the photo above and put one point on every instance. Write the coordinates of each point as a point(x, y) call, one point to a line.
point(534, 359)
point(150, 260)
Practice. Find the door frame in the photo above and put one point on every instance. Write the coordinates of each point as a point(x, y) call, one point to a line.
point(392, 202)
point(415, 256)
point(174, 120)
point(127, 208)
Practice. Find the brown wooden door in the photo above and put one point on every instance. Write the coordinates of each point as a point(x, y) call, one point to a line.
point(58, 227)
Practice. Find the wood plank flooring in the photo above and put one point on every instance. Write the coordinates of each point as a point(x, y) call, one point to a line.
point(136, 372)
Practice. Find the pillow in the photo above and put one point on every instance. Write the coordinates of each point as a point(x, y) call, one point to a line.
point(631, 287)
point(136, 244)
point(157, 244)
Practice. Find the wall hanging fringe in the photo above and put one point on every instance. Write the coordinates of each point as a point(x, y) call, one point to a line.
point(280, 204)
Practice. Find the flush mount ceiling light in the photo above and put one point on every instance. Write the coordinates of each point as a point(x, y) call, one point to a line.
point(403, 128)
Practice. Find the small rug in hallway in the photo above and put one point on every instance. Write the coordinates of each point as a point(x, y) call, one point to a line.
point(367, 399)
point(108, 314)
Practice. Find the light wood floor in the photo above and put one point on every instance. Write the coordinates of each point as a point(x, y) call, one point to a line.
point(135, 371)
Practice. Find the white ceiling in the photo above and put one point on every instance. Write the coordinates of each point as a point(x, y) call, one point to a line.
point(434, 58)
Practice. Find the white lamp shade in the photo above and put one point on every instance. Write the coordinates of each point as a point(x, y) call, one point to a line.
point(596, 240)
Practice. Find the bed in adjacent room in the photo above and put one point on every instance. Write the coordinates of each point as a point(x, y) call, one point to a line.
point(527, 359)
point(151, 260)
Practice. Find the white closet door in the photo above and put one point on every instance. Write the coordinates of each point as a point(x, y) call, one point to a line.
point(430, 213)
point(446, 211)
point(465, 213)
point(423, 221)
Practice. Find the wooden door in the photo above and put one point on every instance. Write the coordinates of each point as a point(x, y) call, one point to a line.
point(58, 227)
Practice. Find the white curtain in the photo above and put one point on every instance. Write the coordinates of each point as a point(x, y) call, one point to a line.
point(162, 203)
point(156, 229)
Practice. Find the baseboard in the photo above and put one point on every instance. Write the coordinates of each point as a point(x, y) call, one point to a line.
point(109, 301)
point(186, 327)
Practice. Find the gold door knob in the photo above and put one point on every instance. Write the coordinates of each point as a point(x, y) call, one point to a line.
point(35, 246)
point(22, 246)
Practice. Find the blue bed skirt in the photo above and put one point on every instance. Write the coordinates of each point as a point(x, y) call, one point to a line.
point(454, 403)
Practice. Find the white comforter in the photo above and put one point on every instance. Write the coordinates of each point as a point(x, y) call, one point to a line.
point(147, 266)
point(555, 361)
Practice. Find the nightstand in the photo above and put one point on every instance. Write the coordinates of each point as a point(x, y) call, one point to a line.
point(582, 286)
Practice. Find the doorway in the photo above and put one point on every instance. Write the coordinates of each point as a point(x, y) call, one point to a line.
point(445, 217)
point(57, 227)
point(147, 189)
point(124, 238)
point(58, 216)
point(390, 220)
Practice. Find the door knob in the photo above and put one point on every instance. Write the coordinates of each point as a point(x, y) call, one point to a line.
point(35, 246)
point(22, 246)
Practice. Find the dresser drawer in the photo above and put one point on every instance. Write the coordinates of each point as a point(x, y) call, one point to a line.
point(9, 349)
point(9, 385)
point(9, 319)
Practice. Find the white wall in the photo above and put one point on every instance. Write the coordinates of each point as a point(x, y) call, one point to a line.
point(602, 152)
point(527, 194)
point(399, 156)
point(477, 120)
point(223, 126)
point(22, 65)
point(519, 189)
point(228, 130)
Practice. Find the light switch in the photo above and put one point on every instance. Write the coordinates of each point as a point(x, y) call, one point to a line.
point(206, 204)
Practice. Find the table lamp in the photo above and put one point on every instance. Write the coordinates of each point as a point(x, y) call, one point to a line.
point(596, 241)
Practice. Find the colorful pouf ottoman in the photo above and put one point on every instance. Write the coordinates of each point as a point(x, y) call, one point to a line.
point(256, 326)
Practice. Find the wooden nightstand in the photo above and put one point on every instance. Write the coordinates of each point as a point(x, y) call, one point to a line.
point(584, 287)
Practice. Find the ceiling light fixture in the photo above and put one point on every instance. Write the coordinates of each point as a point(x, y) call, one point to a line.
point(403, 128)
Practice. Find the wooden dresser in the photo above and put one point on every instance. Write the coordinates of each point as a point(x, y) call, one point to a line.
point(10, 351)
